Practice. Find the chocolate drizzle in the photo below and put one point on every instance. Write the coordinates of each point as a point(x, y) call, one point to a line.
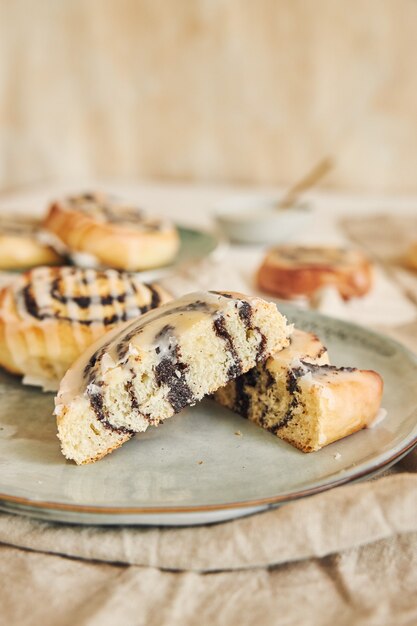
point(98, 406)
point(156, 297)
point(261, 356)
point(95, 394)
point(129, 387)
point(30, 303)
point(245, 313)
point(51, 307)
point(242, 398)
point(235, 368)
point(171, 371)
point(322, 351)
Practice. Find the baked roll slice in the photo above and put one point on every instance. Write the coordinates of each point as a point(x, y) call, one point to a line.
point(292, 271)
point(302, 399)
point(157, 365)
point(21, 245)
point(49, 316)
point(98, 229)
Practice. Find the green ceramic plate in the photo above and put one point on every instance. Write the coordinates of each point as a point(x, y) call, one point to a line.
point(195, 245)
point(194, 468)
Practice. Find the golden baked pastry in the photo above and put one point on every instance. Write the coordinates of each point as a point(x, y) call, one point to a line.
point(98, 229)
point(293, 271)
point(154, 367)
point(49, 316)
point(302, 399)
point(21, 246)
point(411, 257)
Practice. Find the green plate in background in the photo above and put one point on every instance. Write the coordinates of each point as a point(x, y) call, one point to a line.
point(194, 246)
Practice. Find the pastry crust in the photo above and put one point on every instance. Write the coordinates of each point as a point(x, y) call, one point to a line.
point(49, 316)
point(341, 400)
point(21, 246)
point(293, 271)
point(111, 233)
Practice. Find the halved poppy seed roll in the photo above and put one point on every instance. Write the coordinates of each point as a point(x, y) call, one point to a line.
point(302, 399)
point(49, 316)
point(154, 367)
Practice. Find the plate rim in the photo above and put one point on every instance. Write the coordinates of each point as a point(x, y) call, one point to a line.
point(220, 244)
point(167, 510)
point(369, 469)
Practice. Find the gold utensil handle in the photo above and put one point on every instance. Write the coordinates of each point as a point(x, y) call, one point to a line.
point(317, 173)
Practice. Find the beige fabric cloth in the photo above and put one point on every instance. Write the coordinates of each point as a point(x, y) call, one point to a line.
point(347, 556)
point(388, 238)
point(313, 527)
point(374, 585)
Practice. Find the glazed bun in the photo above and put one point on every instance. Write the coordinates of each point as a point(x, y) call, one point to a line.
point(49, 316)
point(292, 271)
point(97, 229)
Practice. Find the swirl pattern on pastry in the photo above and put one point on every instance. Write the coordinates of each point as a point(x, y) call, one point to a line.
point(98, 228)
point(107, 208)
point(48, 316)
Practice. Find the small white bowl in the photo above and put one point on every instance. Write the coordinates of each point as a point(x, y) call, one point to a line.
point(253, 219)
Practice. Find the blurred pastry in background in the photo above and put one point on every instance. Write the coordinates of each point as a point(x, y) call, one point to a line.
point(21, 245)
point(97, 229)
point(49, 316)
point(411, 256)
point(292, 271)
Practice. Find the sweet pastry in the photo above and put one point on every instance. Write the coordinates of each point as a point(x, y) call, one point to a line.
point(293, 271)
point(49, 316)
point(21, 246)
point(97, 229)
point(157, 365)
point(411, 257)
point(302, 399)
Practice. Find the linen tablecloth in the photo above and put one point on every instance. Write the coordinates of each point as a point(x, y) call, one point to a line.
point(347, 556)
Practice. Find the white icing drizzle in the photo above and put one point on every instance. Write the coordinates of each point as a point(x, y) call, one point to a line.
point(41, 285)
point(41, 280)
point(70, 279)
point(131, 307)
point(113, 278)
point(84, 259)
point(96, 309)
point(150, 325)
